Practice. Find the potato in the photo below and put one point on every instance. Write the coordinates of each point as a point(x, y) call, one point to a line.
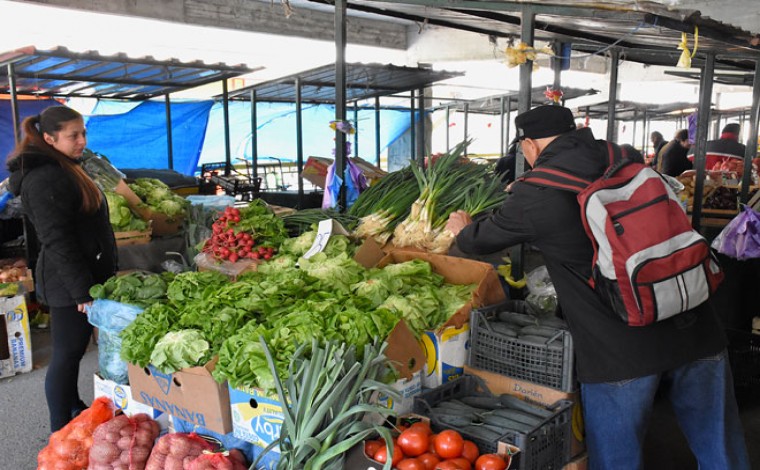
point(125, 443)
point(104, 452)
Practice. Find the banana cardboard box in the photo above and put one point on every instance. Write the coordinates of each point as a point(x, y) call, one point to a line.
point(15, 338)
point(257, 418)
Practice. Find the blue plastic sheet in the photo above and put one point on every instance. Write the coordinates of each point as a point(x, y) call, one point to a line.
point(111, 318)
point(26, 108)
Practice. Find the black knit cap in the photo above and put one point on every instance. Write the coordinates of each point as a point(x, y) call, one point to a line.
point(544, 121)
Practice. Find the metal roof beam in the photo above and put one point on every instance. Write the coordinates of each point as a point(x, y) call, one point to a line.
point(539, 9)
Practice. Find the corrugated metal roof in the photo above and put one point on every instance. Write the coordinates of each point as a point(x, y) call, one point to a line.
point(60, 72)
point(630, 111)
point(363, 81)
point(646, 32)
point(493, 104)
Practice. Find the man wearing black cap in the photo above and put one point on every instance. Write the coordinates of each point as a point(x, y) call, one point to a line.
point(620, 367)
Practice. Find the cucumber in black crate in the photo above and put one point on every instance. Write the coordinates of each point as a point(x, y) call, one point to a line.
point(468, 407)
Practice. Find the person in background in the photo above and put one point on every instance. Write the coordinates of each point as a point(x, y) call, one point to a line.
point(620, 368)
point(78, 250)
point(658, 142)
point(723, 150)
point(672, 160)
point(505, 166)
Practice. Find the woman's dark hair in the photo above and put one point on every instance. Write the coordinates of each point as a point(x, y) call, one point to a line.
point(51, 121)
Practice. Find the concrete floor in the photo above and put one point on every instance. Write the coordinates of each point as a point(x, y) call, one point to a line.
point(24, 419)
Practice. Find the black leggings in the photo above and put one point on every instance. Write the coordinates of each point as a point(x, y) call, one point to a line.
point(71, 333)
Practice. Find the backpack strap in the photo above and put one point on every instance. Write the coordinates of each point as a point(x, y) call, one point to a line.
point(554, 178)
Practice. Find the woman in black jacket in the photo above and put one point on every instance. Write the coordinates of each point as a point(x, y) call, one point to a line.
point(78, 250)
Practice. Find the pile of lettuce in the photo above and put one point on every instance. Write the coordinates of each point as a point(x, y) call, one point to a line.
point(159, 197)
point(137, 288)
point(289, 301)
point(120, 215)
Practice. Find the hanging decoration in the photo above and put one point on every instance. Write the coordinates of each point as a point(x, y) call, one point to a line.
point(553, 94)
point(684, 61)
point(343, 126)
point(521, 53)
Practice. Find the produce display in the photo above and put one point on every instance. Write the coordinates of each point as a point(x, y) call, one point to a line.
point(231, 460)
point(137, 288)
point(14, 272)
point(121, 216)
point(251, 232)
point(305, 220)
point(158, 197)
point(176, 451)
point(123, 443)
point(722, 198)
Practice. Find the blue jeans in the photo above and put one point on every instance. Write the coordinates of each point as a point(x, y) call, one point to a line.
point(617, 415)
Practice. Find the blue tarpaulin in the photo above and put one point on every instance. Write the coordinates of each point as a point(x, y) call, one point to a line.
point(25, 108)
point(137, 138)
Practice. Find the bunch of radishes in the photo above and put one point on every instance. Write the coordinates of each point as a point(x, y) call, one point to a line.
point(228, 244)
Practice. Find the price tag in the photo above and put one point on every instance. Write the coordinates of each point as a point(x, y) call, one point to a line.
point(324, 231)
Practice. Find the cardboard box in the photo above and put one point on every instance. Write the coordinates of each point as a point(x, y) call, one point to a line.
point(191, 394)
point(121, 395)
point(315, 170)
point(15, 337)
point(257, 418)
point(446, 348)
point(25, 285)
point(407, 388)
point(540, 394)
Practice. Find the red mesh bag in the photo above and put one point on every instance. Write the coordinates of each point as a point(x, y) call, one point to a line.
point(230, 460)
point(123, 443)
point(176, 451)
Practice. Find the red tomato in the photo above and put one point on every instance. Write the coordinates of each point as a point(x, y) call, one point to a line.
point(431, 449)
point(370, 447)
point(381, 455)
point(413, 443)
point(429, 459)
point(470, 451)
point(462, 462)
point(490, 462)
point(447, 465)
point(410, 464)
point(419, 425)
point(449, 444)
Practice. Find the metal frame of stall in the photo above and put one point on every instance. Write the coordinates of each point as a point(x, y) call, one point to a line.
point(360, 82)
point(630, 31)
point(62, 73)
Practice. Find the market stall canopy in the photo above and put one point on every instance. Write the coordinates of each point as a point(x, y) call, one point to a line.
point(363, 81)
point(493, 104)
point(63, 73)
point(727, 77)
point(632, 111)
point(646, 32)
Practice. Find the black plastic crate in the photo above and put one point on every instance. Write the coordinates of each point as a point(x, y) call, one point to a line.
point(546, 447)
point(744, 355)
point(551, 364)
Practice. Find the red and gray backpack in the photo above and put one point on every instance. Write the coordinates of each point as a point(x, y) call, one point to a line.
point(649, 263)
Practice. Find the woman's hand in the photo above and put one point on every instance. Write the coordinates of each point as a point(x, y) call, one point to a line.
point(83, 307)
point(457, 221)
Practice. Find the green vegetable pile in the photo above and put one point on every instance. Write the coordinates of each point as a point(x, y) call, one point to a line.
point(136, 288)
point(121, 216)
point(159, 197)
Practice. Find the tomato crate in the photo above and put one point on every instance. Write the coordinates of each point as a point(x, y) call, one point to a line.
point(744, 356)
point(545, 447)
point(550, 363)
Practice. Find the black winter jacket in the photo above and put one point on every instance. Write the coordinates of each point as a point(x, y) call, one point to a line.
point(78, 250)
point(606, 349)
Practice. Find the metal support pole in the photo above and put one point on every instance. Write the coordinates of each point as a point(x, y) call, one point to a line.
point(226, 113)
point(751, 150)
point(356, 129)
point(448, 126)
point(299, 142)
point(635, 118)
point(254, 136)
point(644, 136)
point(502, 137)
point(612, 100)
point(377, 131)
point(556, 62)
point(509, 120)
point(703, 125)
point(421, 124)
point(527, 26)
point(169, 143)
point(340, 96)
point(466, 125)
point(413, 128)
point(14, 105)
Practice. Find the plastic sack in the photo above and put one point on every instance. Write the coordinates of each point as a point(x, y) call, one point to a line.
point(123, 443)
point(101, 171)
point(69, 448)
point(111, 318)
point(542, 295)
point(740, 239)
point(355, 184)
point(176, 451)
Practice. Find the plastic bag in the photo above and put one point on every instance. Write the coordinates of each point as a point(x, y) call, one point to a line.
point(69, 448)
point(542, 296)
point(355, 184)
point(111, 318)
point(232, 460)
point(740, 239)
point(101, 171)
